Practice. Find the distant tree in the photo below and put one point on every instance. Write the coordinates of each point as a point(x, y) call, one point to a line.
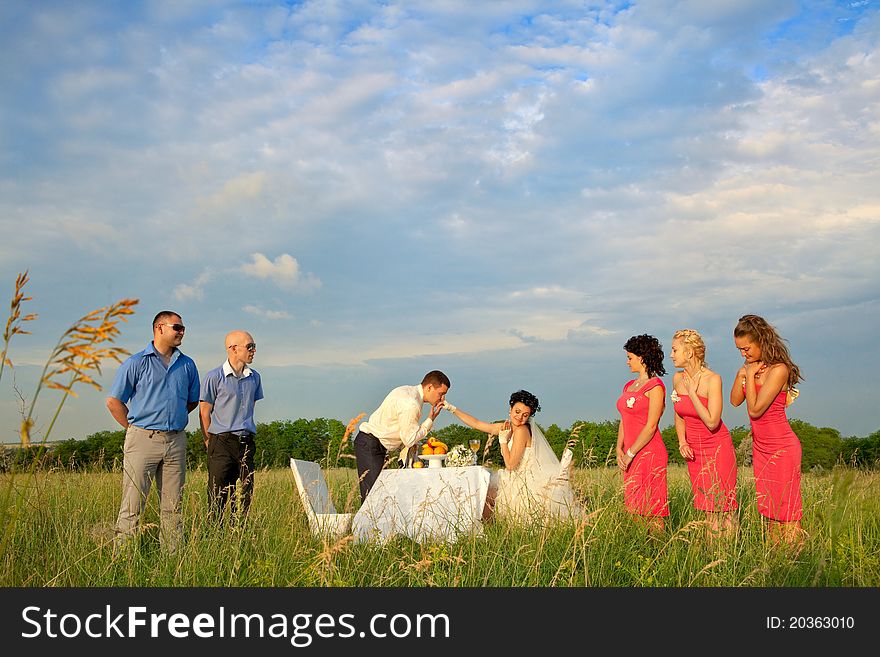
point(196, 453)
point(861, 452)
point(317, 440)
point(457, 434)
point(70, 453)
point(742, 443)
point(596, 442)
point(670, 439)
point(269, 442)
point(820, 446)
point(334, 431)
point(279, 440)
point(557, 438)
point(320, 440)
point(102, 450)
point(738, 434)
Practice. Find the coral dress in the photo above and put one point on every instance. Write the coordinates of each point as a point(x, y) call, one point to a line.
point(713, 468)
point(776, 457)
point(644, 482)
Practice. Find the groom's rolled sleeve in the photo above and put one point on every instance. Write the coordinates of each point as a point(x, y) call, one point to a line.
point(410, 430)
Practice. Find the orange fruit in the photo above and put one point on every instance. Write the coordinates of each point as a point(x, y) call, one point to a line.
point(427, 450)
point(440, 449)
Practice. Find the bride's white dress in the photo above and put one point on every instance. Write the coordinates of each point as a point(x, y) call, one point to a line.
point(539, 487)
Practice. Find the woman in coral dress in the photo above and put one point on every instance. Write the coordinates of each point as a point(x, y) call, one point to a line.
point(641, 453)
point(703, 440)
point(765, 382)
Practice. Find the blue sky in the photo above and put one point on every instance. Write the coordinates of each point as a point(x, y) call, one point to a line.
point(506, 191)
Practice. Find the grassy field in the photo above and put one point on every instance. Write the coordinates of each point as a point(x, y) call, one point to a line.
point(56, 527)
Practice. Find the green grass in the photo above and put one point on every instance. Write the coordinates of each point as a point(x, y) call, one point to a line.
point(56, 527)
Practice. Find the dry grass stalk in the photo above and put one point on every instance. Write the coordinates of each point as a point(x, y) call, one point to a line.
point(350, 428)
point(325, 556)
point(489, 440)
point(705, 569)
point(15, 319)
point(79, 353)
point(324, 560)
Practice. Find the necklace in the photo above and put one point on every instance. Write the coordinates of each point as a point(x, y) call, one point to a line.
point(638, 384)
point(695, 377)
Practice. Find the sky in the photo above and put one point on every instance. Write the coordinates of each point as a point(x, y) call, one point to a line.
point(505, 191)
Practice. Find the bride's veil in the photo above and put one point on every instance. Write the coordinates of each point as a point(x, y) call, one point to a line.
point(548, 480)
point(545, 458)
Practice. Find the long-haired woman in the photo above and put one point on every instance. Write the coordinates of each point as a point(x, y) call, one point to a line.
point(765, 382)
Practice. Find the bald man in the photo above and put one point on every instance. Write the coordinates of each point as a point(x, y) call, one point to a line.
point(226, 410)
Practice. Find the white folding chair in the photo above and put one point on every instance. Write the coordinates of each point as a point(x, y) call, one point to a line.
point(565, 465)
point(323, 519)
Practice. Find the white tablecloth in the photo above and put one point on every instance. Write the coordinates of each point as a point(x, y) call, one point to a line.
point(427, 504)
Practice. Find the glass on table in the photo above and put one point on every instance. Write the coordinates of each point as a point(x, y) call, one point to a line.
point(474, 444)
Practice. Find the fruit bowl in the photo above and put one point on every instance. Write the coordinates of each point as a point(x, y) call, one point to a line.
point(434, 460)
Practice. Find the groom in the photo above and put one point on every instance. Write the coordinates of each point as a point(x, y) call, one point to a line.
point(395, 425)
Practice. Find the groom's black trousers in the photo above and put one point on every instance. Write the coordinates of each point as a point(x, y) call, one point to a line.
point(370, 456)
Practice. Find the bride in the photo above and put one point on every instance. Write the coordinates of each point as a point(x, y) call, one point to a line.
point(533, 484)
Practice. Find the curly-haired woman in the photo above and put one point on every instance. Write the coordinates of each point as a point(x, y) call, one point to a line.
point(765, 382)
point(532, 485)
point(641, 453)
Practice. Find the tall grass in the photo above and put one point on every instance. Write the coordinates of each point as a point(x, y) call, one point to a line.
point(77, 355)
point(61, 534)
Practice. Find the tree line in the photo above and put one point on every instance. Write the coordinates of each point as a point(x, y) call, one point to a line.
point(323, 440)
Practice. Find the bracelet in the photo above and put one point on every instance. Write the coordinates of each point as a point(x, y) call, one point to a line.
point(629, 453)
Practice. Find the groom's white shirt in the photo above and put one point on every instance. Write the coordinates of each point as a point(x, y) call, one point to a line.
point(396, 422)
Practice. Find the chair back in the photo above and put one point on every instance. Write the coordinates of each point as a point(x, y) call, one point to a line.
point(565, 465)
point(312, 487)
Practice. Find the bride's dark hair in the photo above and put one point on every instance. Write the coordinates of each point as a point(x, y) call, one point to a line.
point(527, 398)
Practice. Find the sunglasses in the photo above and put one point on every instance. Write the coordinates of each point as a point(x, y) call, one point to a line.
point(250, 346)
point(180, 328)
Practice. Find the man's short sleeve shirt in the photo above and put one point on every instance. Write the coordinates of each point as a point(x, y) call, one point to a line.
point(157, 397)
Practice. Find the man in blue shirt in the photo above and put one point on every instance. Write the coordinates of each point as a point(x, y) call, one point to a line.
point(152, 395)
point(226, 412)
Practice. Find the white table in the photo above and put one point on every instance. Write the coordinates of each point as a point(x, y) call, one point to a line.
point(426, 504)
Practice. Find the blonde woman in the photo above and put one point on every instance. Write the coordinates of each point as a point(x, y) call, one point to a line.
point(703, 440)
point(765, 382)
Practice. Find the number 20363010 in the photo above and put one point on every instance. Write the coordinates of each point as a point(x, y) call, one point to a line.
point(810, 623)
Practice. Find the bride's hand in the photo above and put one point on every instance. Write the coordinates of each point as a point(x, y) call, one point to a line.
point(449, 407)
point(504, 434)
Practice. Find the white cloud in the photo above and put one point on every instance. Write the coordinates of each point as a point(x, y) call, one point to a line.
point(547, 292)
point(284, 271)
point(194, 290)
point(240, 189)
point(266, 314)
